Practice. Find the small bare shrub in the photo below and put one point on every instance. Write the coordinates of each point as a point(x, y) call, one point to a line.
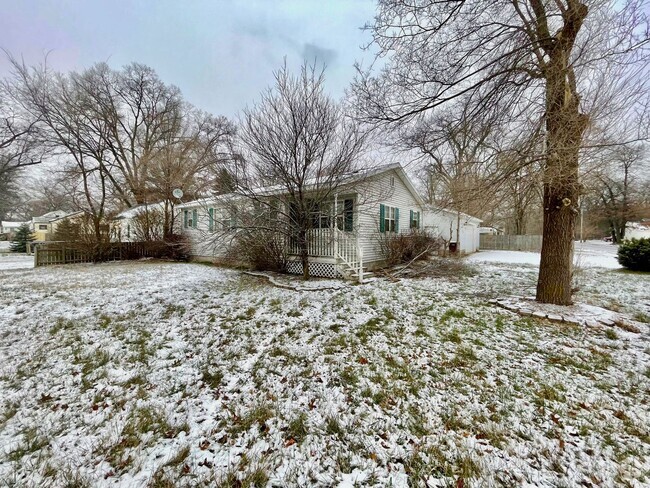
point(407, 247)
point(261, 249)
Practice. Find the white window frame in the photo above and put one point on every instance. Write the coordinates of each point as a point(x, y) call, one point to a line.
point(389, 218)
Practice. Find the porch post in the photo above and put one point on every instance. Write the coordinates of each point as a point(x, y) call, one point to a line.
point(336, 225)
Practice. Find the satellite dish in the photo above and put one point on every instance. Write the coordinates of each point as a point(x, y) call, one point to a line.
point(178, 193)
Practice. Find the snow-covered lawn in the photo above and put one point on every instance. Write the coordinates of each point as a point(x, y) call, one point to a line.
point(590, 254)
point(15, 261)
point(163, 374)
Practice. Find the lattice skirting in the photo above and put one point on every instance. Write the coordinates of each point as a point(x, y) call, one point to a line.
point(322, 270)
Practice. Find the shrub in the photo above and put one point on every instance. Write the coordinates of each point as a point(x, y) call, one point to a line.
point(634, 254)
point(403, 248)
point(261, 250)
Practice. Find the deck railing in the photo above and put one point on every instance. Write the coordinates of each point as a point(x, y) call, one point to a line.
point(320, 243)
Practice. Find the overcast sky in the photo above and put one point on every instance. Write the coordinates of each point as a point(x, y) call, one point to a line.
point(220, 53)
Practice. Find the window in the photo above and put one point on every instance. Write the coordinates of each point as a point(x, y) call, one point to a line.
point(42, 226)
point(388, 218)
point(414, 220)
point(320, 215)
point(189, 219)
point(228, 219)
point(348, 215)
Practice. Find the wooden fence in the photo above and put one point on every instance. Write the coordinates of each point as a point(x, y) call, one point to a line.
point(51, 253)
point(510, 243)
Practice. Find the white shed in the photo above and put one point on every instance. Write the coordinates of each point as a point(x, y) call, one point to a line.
point(453, 227)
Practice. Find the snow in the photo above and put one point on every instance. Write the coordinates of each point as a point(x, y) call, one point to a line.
point(149, 373)
point(15, 261)
point(590, 254)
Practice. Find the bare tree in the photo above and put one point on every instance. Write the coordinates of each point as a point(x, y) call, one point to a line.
point(191, 157)
point(298, 141)
point(18, 145)
point(529, 57)
point(615, 189)
point(72, 134)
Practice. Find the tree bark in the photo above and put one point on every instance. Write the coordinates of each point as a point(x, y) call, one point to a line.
point(565, 126)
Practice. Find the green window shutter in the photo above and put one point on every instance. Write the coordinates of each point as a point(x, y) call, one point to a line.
point(397, 220)
point(382, 216)
point(185, 218)
point(194, 217)
point(410, 218)
point(211, 219)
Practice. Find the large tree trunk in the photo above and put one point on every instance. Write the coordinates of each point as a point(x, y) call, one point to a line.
point(565, 126)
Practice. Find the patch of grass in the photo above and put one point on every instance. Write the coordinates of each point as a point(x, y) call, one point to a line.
point(294, 313)
point(465, 355)
point(372, 326)
point(349, 376)
point(258, 415)
point(550, 393)
point(256, 478)
point(94, 361)
point(611, 334)
point(141, 421)
point(452, 336)
point(451, 313)
point(31, 441)
point(642, 317)
point(297, 428)
point(388, 313)
point(172, 309)
point(8, 412)
point(333, 427)
point(61, 324)
point(212, 378)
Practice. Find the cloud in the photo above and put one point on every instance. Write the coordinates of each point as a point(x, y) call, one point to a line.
point(321, 55)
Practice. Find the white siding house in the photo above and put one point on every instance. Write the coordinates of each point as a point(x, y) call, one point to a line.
point(369, 206)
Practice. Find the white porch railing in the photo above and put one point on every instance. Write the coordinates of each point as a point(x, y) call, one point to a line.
point(334, 243)
point(320, 243)
point(349, 254)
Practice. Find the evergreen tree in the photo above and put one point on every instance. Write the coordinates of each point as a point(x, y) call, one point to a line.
point(22, 237)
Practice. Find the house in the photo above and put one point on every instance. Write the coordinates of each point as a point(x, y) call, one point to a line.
point(45, 225)
point(638, 230)
point(137, 223)
point(460, 230)
point(8, 229)
point(347, 231)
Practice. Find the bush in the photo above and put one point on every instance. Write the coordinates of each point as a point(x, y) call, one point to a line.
point(261, 250)
point(634, 254)
point(403, 248)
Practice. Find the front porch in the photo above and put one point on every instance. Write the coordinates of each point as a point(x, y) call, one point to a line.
point(333, 253)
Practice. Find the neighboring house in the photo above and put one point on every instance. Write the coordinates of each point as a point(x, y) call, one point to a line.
point(8, 229)
point(369, 206)
point(637, 230)
point(492, 231)
point(45, 225)
point(127, 226)
point(453, 227)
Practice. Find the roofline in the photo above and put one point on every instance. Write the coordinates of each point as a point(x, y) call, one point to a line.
point(269, 191)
